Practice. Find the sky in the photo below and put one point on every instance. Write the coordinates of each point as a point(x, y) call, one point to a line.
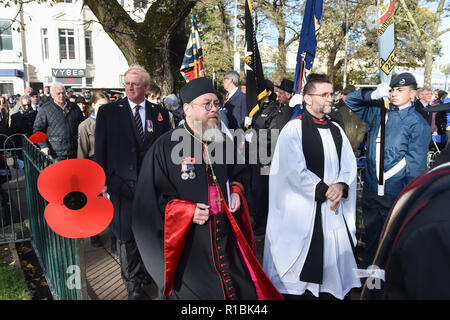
point(445, 41)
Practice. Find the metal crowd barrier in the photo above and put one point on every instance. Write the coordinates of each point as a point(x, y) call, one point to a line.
point(61, 259)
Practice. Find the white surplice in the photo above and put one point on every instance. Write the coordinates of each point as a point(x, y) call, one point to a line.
point(291, 216)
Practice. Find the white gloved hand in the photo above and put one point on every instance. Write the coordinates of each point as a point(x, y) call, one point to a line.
point(295, 100)
point(382, 91)
point(248, 121)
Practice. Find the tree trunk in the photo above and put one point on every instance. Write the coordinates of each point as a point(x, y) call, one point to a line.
point(428, 65)
point(158, 43)
point(280, 72)
point(331, 72)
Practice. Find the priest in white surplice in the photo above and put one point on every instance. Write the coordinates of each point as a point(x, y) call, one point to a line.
point(311, 225)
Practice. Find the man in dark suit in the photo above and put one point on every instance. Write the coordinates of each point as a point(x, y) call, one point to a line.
point(234, 102)
point(124, 131)
point(424, 97)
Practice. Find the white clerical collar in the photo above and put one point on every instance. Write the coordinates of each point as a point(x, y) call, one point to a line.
point(132, 104)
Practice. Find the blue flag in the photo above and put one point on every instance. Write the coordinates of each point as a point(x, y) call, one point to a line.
point(307, 47)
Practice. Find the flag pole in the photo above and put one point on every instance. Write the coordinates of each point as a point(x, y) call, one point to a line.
point(386, 48)
point(302, 66)
point(307, 48)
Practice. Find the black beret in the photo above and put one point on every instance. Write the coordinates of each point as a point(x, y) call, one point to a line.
point(402, 80)
point(195, 88)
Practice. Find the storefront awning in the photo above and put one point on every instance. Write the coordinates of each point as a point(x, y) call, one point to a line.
point(11, 73)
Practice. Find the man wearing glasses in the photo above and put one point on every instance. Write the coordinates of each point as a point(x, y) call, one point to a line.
point(407, 136)
point(189, 179)
point(234, 101)
point(311, 228)
point(124, 131)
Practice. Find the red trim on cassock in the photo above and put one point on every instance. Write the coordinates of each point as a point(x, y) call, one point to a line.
point(243, 219)
point(178, 220)
point(177, 223)
point(268, 290)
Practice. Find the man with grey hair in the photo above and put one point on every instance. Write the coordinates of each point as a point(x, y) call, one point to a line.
point(424, 98)
point(175, 111)
point(59, 119)
point(234, 102)
point(124, 131)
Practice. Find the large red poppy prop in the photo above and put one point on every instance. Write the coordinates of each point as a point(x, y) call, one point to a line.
point(38, 137)
point(72, 188)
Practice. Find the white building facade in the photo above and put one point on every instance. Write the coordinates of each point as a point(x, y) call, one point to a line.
point(11, 56)
point(63, 43)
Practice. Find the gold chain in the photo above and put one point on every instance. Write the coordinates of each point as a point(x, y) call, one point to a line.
point(207, 153)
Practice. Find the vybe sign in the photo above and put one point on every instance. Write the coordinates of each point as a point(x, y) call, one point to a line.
point(68, 73)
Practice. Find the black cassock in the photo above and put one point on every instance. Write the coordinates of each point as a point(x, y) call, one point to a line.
point(188, 260)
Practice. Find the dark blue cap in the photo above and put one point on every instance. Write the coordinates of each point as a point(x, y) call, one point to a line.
point(402, 80)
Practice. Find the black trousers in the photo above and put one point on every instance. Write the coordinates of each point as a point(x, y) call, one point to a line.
point(375, 210)
point(131, 266)
point(260, 193)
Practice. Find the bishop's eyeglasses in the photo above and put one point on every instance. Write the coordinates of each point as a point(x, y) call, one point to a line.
point(208, 105)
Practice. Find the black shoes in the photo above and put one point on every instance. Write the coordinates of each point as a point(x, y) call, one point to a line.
point(137, 294)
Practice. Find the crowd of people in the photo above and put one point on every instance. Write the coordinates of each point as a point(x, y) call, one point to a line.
point(189, 225)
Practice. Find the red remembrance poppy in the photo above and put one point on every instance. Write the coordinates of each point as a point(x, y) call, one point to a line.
point(72, 187)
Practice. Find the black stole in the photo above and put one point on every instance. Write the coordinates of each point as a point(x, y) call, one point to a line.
point(312, 144)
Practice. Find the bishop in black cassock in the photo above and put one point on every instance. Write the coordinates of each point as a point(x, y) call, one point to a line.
point(192, 244)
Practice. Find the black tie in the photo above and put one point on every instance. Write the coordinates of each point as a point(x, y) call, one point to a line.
point(137, 119)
